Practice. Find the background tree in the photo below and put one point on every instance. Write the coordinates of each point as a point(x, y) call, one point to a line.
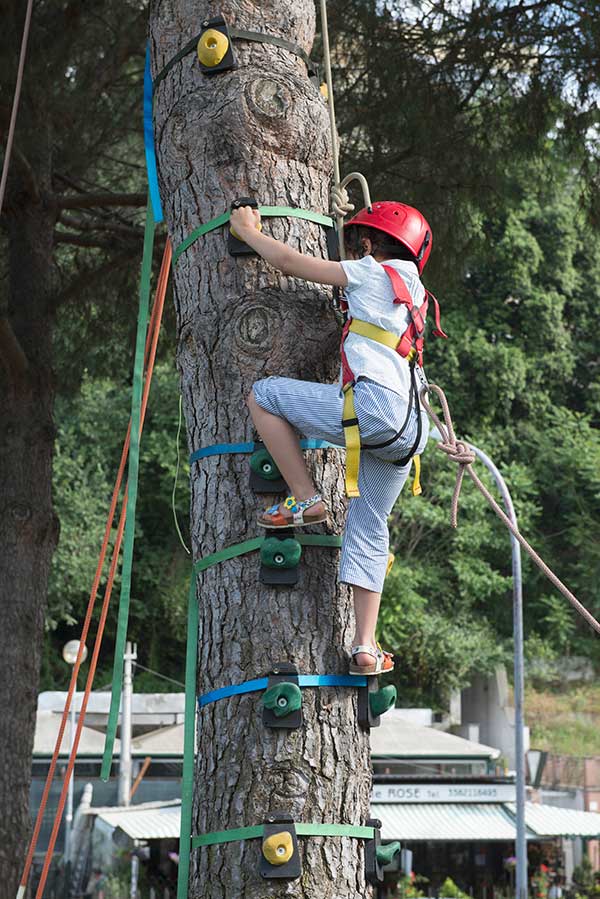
point(66, 240)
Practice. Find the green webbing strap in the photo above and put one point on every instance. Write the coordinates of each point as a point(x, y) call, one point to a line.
point(132, 488)
point(248, 546)
point(303, 830)
point(189, 727)
point(238, 34)
point(265, 211)
point(230, 552)
point(319, 540)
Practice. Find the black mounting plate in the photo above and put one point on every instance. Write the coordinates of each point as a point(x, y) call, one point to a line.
point(280, 672)
point(292, 869)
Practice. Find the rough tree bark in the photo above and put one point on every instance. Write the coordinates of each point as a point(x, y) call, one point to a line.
point(28, 525)
point(261, 130)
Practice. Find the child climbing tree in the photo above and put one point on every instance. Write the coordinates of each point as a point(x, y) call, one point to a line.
point(259, 130)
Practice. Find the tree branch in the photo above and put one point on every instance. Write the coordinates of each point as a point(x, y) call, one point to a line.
point(12, 353)
point(89, 201)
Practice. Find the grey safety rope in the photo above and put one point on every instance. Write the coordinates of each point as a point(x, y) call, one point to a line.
point(461, 454)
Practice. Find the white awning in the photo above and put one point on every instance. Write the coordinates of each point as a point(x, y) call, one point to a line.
point(469, 821)
point(553, 821)
point(148, 821)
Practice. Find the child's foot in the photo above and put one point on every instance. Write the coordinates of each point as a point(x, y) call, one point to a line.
point(293, 513)
point(370, 660)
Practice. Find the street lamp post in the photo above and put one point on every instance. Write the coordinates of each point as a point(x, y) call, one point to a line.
point(69, 654)
point(519, 667)
point(521, 836)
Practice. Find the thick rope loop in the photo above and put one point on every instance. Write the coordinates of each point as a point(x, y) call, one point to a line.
point(464, 456)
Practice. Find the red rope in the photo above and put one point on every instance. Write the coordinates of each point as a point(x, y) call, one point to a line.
point(149, 358)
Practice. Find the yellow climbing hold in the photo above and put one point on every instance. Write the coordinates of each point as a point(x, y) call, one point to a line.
point(237, 237)
point(212, 47)
point(324, 91)
point(390, 563)
point(278, 848)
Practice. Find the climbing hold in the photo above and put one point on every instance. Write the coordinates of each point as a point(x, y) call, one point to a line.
point(373, 863)
point(263, 464)
point(278, 848)
point(265, 477)
point(236, 246)
point(283, 699)
point(276, 553)
point(373, 702)
point(212, 47)
point(280, 858)
point(279, 558)
point(390, 563)
point(383, 700)
point(385, 854)
point(215, 52)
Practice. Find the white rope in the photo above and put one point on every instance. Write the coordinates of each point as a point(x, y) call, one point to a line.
point(341, 206)
point(330, 104)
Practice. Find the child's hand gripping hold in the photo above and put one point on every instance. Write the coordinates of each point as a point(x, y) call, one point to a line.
point(245, 219)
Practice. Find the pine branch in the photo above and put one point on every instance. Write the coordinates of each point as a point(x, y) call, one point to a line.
point(12, 353)
point(89, 201)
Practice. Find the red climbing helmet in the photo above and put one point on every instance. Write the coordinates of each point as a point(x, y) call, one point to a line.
point(403, 222)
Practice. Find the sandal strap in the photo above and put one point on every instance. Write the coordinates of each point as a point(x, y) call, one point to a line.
point(292, 504)
point(366, 649)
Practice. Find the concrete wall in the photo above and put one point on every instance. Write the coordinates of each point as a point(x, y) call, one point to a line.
point(487, 703)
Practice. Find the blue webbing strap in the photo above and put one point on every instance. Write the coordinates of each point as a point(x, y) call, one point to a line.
point(218, 449)
point(149, 143)
point(304, 680)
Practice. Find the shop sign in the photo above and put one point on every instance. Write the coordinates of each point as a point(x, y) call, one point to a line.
point(443, 793)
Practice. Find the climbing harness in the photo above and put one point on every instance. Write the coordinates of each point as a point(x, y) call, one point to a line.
point(215, 54)
point(409, 345)
point(461, 453)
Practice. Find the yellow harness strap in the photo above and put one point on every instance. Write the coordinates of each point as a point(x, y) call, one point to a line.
point(349, 419)
point(366, 329)
point(352, 438)
point(417, 490)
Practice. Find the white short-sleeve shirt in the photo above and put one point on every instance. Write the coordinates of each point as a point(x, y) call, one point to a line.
point(370, 297)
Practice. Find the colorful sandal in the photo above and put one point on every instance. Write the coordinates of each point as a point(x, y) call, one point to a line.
point(274, 518)
point(382, 664)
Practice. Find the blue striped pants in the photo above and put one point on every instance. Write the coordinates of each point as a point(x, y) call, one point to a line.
point(315, 410)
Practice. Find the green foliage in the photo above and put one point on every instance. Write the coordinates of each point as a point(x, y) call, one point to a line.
point(476, 128)
point(91, 428)
point(450, 890)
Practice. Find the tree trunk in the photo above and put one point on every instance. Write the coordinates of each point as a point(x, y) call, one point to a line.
point(28, 526)
point(262, 131)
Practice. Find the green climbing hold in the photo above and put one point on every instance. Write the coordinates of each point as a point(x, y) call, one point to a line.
point(385, 854)
point(276, 553)
point(263, 464)
point(283, 698)
point(383, 700)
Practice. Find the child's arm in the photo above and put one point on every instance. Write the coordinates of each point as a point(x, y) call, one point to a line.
point(244, 222)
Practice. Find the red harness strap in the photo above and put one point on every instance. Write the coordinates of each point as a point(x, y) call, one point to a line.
point(413, 336)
